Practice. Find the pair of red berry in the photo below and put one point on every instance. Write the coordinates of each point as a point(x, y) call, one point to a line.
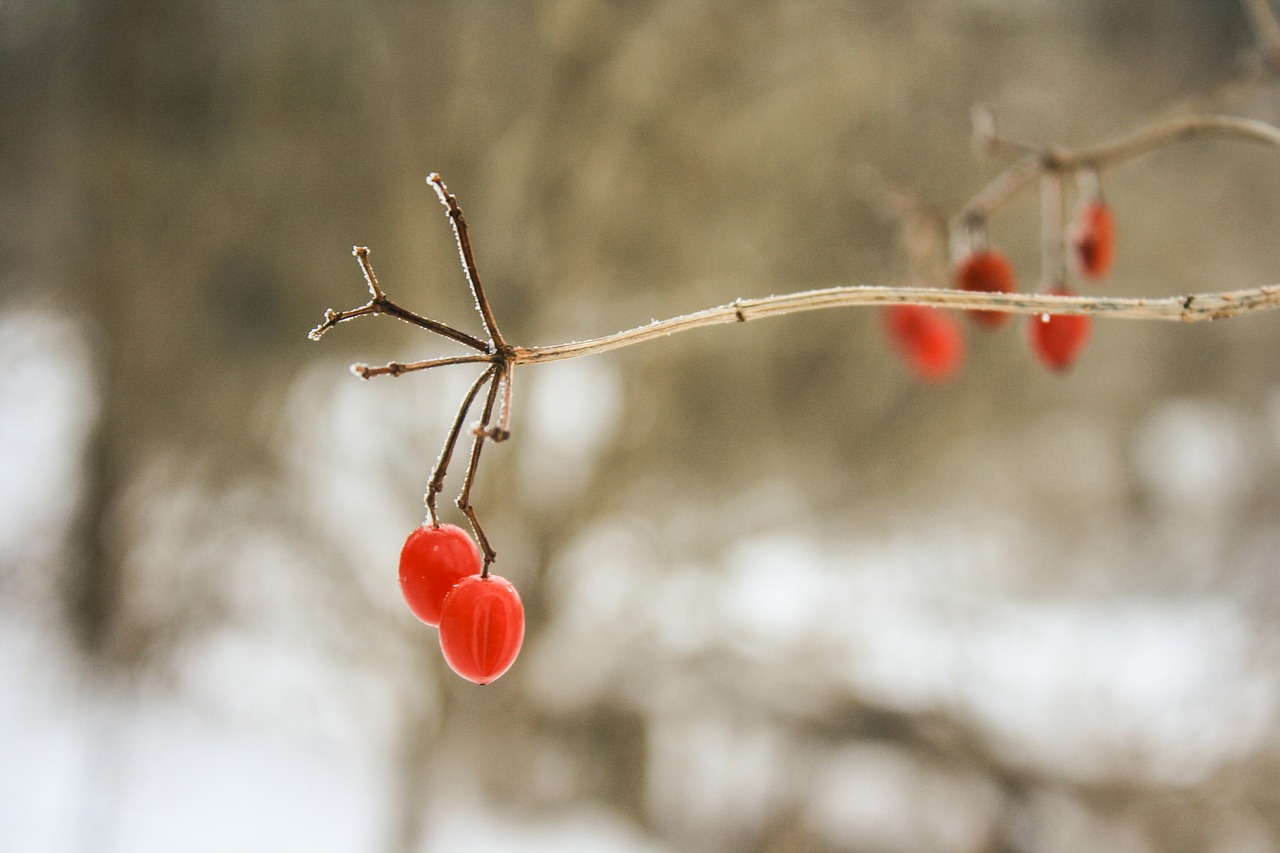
point(480, 615)
point(932, 342)
point(1056, 339)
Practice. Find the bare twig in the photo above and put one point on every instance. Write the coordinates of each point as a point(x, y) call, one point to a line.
point(375, 290)
point(463, 237)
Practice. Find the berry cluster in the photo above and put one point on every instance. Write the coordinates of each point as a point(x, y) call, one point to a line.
point(932, 342)
point(480, 615)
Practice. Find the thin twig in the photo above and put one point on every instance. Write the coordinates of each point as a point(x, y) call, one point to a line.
point(333, 318)
point(463, 238)
point(451, 440)
point(375, 290)
point(481, 432)
point(395, 368)
point(1191, 308)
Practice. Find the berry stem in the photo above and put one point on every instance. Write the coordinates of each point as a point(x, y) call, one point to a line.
point(481, 432)
point(450, 442)
point(1053, 256)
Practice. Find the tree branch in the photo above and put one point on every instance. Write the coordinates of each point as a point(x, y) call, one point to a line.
point(1032, 162)
point(1191, 308)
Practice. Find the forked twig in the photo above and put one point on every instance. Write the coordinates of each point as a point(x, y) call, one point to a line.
point(494, 353)
point(380, 304)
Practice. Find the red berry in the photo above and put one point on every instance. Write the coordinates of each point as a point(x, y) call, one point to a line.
point(987, 271)
point(1094, 239)
point(482, 627)
point(432, 560)
point(1057, 339)
point(928, 339)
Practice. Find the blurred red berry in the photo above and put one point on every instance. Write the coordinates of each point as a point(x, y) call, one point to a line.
point(432, 560)
point(1057, 339)
point(929, 340)
point(1094, 239)
point(482, 627)
point(987, 271)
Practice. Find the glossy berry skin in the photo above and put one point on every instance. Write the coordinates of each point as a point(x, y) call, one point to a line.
point(482, 627)
point(432, 560)
point(929, 340)
point(1093, 239)
point(990, 272)
point(1057, 339)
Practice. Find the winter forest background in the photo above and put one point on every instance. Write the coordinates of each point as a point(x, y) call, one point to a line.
point(781, 596)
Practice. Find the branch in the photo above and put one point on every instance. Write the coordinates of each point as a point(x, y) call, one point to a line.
point(380, 304)
point(1032, 162)
point(1191, 308)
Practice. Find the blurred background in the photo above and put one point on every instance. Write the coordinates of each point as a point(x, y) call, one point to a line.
point(781, 596)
